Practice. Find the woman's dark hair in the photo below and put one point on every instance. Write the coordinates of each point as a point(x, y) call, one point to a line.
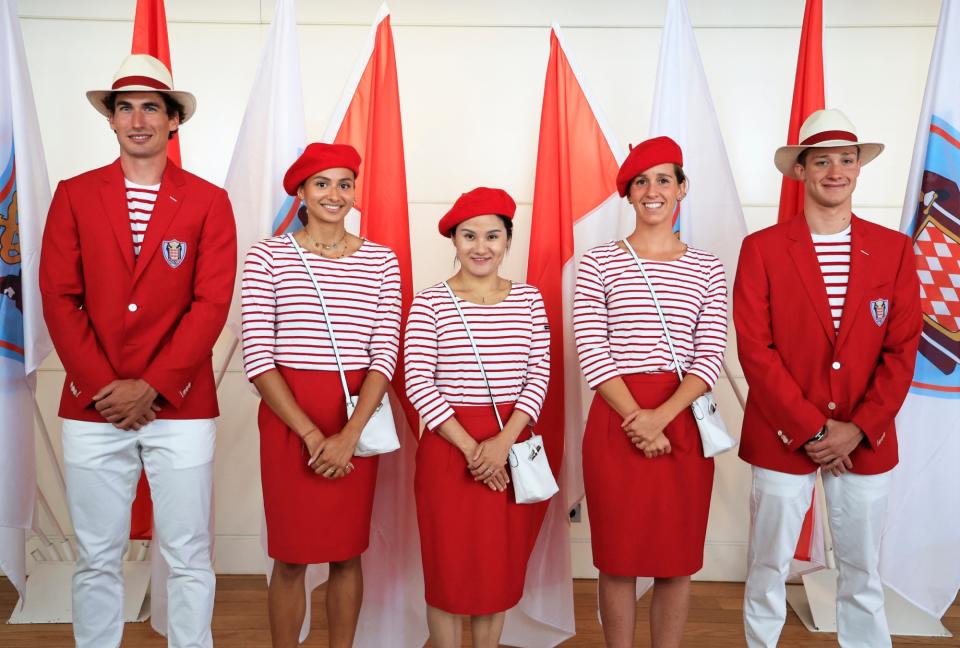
point(302, 214)
point(507, 225)
point(171, 105)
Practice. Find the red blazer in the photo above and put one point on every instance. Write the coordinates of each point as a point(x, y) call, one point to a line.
point(800, 373)
point(113, 316)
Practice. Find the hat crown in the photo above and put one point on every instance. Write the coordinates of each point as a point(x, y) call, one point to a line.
point(137, 67)
point(829, 120)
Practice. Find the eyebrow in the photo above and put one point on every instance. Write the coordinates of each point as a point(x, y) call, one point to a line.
point(489, 231)
point(343, 179)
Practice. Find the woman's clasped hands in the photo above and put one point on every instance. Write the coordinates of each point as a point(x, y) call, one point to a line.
point(487, 462)
point(645, 428)
point(330, 455)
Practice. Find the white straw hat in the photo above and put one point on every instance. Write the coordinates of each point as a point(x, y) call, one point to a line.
point(143, 73)
point(824, 129)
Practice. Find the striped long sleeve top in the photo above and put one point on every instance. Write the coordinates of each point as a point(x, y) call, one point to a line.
point(283, 322)
point(616, 326)
point(441, 369)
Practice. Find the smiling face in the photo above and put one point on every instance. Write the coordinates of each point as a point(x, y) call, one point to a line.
point(142, 124)
point(654, 194)
point(328, 195)
point(481, 243)
point(829, 175)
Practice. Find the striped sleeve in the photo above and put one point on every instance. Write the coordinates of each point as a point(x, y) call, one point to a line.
point(710, 335)
point(258, 312)
point(590, 324)
point(385, 338)
point(420, 364)
point(534, 390)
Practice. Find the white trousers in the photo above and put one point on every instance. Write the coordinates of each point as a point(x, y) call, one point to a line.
point(102, 467)
point(856, 506)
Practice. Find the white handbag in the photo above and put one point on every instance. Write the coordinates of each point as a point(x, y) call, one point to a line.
point(379, 435)
point(713, 431)
point(530, 472)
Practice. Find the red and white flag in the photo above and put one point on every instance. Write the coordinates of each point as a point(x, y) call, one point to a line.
point(368, 118)
point(920, 552)
point(808, 97)
point(150, 37)
point(575, 207)
point(24, 342)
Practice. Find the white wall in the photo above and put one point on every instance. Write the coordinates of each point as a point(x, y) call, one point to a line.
point(471, 83)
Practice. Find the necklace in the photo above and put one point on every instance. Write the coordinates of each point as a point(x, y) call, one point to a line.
point(483, 298)
point(326, 248)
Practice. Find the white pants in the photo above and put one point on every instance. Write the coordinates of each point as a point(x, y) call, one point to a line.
point(856, 505)
point(102, 467)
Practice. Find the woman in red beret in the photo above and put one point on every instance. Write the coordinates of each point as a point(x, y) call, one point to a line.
point(317, 496)
point(475, 539)
point(646, 480)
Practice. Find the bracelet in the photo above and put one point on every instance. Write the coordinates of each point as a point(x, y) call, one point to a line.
point(819, 435)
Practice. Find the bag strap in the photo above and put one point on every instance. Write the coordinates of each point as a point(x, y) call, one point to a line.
point(476, 351)
point(326, 315)
point(656, 303)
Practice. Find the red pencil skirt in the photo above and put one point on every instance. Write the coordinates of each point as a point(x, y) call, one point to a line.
point(475, 542)
point(648, 517)
point(311, 519)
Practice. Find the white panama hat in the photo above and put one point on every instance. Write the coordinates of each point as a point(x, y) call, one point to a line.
point(824, 129)
point(143, 73)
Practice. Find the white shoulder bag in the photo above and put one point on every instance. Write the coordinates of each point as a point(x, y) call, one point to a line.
point(529, 469)
point(379, 435)
point(713, 431)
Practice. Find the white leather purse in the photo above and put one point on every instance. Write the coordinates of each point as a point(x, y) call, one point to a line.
point(530, 472)
point(713, 431)
point(379, 435)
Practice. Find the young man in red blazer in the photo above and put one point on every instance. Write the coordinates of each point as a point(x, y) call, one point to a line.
point(136, 275)
point(827, 314)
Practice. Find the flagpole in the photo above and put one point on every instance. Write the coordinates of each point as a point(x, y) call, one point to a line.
point(226, 363)
point(734, 385)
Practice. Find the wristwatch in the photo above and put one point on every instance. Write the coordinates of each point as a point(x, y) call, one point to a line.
point(819, 435)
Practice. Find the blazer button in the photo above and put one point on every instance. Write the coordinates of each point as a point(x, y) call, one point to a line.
point(835, 365)
point(831, 406)
point(132, 308)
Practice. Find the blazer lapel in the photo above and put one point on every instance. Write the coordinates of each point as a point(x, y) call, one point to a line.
point(859, 281)
point(169, 199)
point(113, 195)
point(808, 269)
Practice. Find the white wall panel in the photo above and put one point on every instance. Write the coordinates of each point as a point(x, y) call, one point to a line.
point(471, 82)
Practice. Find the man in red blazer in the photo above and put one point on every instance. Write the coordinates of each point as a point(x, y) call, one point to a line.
point(136, 275)
point(827, 314)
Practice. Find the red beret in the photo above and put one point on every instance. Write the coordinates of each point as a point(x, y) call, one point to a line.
point(646, 155)
point(318, 157)
point(477, 202)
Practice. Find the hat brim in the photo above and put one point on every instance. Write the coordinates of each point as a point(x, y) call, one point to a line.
point(185, 99)
point(785, 158)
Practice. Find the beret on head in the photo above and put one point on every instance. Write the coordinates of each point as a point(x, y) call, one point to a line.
point(477, 202)
point(317, 157)
point(645, 155)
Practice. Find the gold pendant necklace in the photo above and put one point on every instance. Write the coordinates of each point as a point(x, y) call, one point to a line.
point(326, 247)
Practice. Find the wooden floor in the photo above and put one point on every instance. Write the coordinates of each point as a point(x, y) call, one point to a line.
point(240, 621)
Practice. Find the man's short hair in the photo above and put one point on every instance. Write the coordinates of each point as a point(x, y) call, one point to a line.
point(802, 158)
point(171, 105)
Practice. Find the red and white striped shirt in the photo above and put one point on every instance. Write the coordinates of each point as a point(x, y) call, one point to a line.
point(283, 322)
point(833, 255)
point(616, 326)
point(441, 368)
point(140, 202)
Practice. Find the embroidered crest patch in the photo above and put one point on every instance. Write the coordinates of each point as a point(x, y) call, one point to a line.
point(174, 252)
point(878, 310)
